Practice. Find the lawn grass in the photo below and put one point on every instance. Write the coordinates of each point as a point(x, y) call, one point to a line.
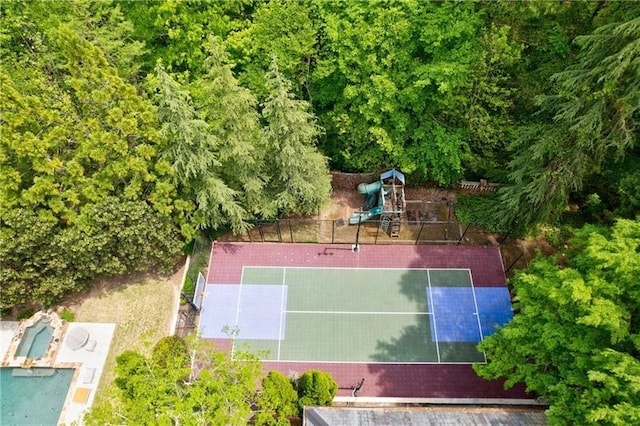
point(142, 309)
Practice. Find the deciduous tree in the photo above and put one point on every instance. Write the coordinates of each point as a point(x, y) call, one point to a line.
point(575, 335)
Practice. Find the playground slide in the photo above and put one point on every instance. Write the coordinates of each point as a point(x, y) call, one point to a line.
point(361, 217)
point(369, 188)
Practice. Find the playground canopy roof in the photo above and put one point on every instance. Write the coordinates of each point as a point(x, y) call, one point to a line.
point(393, 173)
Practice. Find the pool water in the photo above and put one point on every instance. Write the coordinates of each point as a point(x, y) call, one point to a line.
point(35, 341)
point(33, 396)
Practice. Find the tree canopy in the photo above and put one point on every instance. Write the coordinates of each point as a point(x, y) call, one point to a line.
point(575, 336)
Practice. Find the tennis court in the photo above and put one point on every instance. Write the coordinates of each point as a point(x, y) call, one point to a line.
point(331, 305)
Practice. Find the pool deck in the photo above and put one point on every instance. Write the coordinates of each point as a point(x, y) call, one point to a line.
point(88, 361)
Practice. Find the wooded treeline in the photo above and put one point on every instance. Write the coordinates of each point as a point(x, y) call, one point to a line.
point(127, 127)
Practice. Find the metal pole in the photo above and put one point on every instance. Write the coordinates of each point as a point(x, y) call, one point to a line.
point(290, 231)
point(419, 232)
point(504, 238)
point(278, 230)
point(377, 231)
point(333, 231)
point(465, 231)
point(356, 246)
point(514, 262)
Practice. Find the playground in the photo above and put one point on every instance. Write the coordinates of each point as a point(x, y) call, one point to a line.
point(406, 317)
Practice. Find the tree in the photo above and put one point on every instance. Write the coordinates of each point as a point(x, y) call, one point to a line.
point(316, 388)
point(414, 85)
point(282, 28)
point(595, 115)
point(163, 389)
point(575, 335)
point(175, 32)
point(299, 180)
point(231, 112)
point(277, 400)
point(192, 152)
point(80, 162)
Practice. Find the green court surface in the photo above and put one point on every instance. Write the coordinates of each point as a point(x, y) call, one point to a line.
point(358, 315)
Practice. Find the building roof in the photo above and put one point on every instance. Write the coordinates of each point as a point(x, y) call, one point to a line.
point(370, 416)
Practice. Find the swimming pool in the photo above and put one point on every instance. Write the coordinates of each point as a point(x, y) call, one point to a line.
point(30, 396)
point(36, 339)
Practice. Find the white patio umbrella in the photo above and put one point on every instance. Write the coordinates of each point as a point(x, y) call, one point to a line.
point(77, 338)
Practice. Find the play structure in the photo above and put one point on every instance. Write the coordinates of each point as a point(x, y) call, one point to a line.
point(384, 198)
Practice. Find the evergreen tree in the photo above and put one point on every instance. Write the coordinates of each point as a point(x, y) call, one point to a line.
point(192, 151)
point(231, 113)
point(299, 181)
point(595, 114)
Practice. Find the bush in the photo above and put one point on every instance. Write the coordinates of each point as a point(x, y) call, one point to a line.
point(278, 400)
point(67, 315)
point(316, 388)
point(26, 313)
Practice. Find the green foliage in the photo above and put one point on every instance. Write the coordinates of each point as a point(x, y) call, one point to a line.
point(316, 388)
point(231, 111)
point(595, 114)
point(67, 315)
point(43, 261)
point(299, 180)
point(277, 401)
point(576, 330)
point(162, 389)
point(171, 351)
point(285, 29)
point(415, 85)
point(25, 314)
point(478, 210)
point(192, 152)
point(175, 31)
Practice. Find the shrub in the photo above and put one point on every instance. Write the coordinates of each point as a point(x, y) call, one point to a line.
point(316, 388)
point(67, 315)
point(25, 313)
point(278, 400)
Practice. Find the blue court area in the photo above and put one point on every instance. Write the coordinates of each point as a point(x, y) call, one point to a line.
point(356, 314)
point(467, 314)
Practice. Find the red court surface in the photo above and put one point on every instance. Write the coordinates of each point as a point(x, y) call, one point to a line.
point(388, 380)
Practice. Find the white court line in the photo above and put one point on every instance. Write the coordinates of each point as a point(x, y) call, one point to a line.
point(359, 268)
point(359, 312)
point(475, 302)
point(282, 310)
point(435, 327)
point(235, 326)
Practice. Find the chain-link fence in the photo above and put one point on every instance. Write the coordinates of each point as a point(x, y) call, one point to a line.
point(428, 228)
point(339, 231)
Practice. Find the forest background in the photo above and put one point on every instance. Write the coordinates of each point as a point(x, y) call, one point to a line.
point(129, 127)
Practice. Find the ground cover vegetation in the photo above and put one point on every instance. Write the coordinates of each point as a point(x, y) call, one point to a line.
point(128, 127)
